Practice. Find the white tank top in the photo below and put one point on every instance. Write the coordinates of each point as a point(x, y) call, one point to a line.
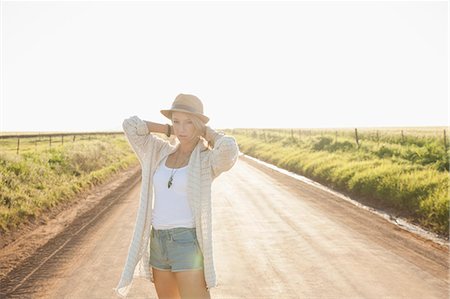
point(171, 207)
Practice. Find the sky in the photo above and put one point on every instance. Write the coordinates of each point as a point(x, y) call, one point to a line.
point(86, 66)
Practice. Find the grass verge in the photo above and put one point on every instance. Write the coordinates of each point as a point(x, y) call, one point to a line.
point(37, 180)
point(411, 190)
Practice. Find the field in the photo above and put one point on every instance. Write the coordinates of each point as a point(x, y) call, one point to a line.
point(402, 170)
point(43, 174)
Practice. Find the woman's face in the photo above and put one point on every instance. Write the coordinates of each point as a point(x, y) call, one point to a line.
point(183, 126)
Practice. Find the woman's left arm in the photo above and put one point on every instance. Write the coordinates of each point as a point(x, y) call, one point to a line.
point(225, 151)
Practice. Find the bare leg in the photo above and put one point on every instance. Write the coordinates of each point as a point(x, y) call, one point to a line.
point(192, 284)
point(165, 284)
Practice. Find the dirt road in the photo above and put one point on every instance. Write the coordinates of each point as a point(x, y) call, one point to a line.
point(274, 237)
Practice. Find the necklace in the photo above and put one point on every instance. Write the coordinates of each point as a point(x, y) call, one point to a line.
point(174, 170)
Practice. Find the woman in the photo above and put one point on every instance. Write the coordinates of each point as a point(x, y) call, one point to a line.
point(176, 252)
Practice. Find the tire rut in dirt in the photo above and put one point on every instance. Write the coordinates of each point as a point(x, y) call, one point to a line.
point(35, 274)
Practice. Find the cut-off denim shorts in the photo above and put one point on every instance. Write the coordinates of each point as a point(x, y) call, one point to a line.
point(175, 249)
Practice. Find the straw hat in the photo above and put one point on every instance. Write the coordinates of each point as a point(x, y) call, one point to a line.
point(187, 103)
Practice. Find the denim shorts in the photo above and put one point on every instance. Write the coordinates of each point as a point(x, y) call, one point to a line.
point(175, 249)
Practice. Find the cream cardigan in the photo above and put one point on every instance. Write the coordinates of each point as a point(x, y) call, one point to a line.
point(204, 166)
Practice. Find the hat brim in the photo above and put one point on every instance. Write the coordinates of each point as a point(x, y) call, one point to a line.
point(168, 114)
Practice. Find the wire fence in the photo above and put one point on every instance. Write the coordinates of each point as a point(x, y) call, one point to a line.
point(18, 142)
point(417, 136)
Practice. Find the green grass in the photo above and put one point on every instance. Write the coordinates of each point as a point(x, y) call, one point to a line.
point(39, 177)
point(411, 180)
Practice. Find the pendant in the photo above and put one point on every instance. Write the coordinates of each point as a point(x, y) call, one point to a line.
point(169, 183)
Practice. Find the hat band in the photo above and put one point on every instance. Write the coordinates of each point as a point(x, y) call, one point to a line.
point(184, 107)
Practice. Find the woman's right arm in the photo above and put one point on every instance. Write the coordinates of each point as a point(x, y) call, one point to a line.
point(138, 133)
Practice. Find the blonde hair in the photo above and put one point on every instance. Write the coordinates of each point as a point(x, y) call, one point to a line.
point(200, 128)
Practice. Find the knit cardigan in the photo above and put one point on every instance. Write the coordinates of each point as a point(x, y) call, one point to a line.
point(204, 166)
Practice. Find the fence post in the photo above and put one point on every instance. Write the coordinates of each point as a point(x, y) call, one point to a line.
point(50, 141)
point(18, 143)
point(356, 136)
point(403, 137)
point(445, 142)
point(73, 138)
point(62, 139)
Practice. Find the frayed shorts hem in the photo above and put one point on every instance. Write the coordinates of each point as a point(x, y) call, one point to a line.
point(194, 269)
point(161, 269)
point(177, 270)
